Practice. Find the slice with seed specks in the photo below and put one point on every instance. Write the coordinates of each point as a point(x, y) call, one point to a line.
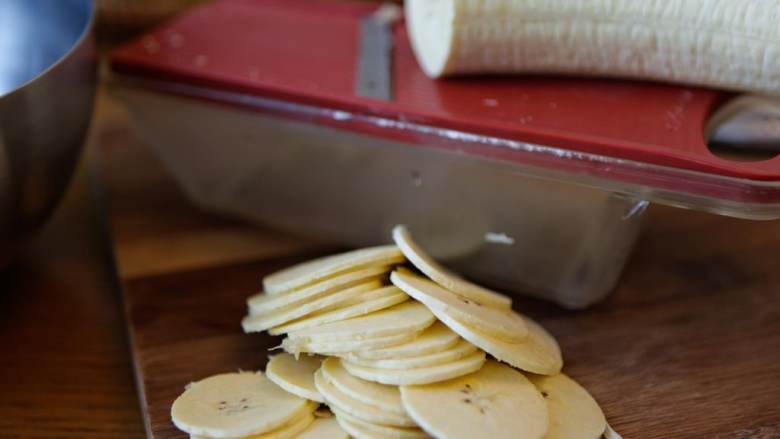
point(338, 399)
point(574, 414)
point(264, 303)
point(235, 405)
point(447, 279)
point(423, 375)
point(295, 375)
point(435, 338)
point(307, 273)
point(403, 318)
point(497, 402)
point(386, 398)
point(500, 323)
point(372, 301)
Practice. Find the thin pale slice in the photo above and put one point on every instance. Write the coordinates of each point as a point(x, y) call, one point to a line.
point(324, 428)
point(383, 430)
point(460, 350)
point(343, 347)
point(357, 432)
point(435, 338)
point(371, 295)
point(539, 353)
point(307, 273)
point(372, 301)
point(403, 318)
point(338, 399)
point(422, 375)
point(500, 323)
point(383, 397)
point(497, 402)
point(289, 430)
point(266, 303)
point(444, 277)
point(259, 323)
point(574, 414)
point(295, 375)
point(235, 405)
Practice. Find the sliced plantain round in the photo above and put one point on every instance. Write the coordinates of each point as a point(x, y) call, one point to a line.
point(262, 322)
point(324, 428)
point(371, 301)
point(447, 279)
point(539, 353)
point(435, 338)
point(235, 405)
point(336, 348)
point(265, 303)
point(421, 375)
point(406, 317)
point(383, 397)
point(295, 375)
point(307, 273)
point(341, 401)
point(497, 402)
point(454, 353)
point(504, 324)
point(382, 430)
point(574, 414)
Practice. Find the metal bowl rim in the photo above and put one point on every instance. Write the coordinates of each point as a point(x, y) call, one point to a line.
point(85, 33)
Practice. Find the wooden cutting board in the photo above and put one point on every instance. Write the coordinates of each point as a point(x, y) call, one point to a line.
point(687, 347)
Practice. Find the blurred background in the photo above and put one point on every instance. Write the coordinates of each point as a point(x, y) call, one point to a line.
point(127, 229)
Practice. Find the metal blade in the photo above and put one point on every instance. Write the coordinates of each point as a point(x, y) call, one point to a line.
point(375, 59)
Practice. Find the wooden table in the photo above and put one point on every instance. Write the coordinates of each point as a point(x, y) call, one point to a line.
point(65, 368)
point(688, 346)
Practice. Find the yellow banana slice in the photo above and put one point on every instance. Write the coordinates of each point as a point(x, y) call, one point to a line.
point(307, 273)
point(423, 375)
point(500, 323)
point(435, 338)
point(456, 352)
point(574, 414)
point(264, 303)
point(370, 302)
point(378, 430)
point(403, 318)
point(336, 348)
point(383, 397)
point(444, 277)
point(295, 375)
point(324, 428)
point(339, 400)
point(235, 405)
point(539, 353)
point(497, 402)
point(261, 322)
point(357, 432)
point(289, 430)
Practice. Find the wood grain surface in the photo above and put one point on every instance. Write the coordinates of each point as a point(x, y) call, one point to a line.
point(687, 347)
point(65, 368)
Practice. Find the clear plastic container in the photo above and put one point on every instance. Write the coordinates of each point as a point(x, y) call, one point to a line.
point(536, 186)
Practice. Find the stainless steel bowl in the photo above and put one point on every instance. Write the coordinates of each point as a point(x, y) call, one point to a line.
point(47, 84)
